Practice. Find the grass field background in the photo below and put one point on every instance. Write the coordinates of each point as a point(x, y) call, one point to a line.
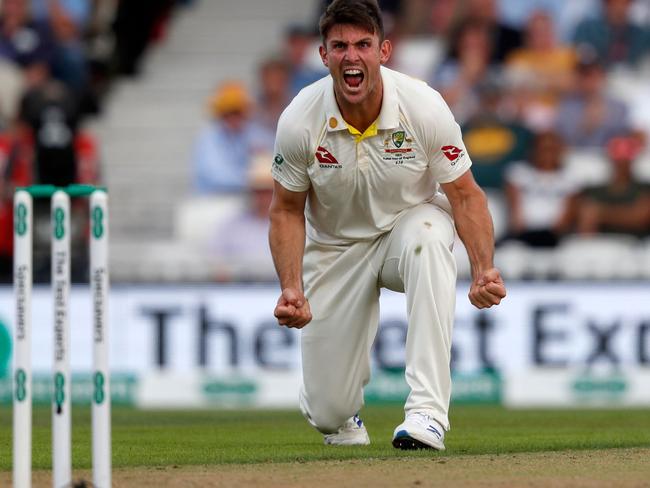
point(178, 438)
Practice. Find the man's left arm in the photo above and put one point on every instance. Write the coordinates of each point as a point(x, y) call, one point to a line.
point(475, 229)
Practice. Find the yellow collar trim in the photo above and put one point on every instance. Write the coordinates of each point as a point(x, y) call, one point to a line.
point(369, 132)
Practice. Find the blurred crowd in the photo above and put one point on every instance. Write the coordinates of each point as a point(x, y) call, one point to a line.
point(552, 96)
point(57, 61)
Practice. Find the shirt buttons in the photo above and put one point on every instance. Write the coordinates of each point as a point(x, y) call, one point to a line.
point(362, 156)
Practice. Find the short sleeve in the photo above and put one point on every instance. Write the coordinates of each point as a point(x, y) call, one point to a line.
point(448, 158)
point(292, 155)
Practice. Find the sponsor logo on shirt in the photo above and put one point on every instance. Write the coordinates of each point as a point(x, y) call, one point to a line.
point(452, 153)
point(278, 159)
point(326, 159)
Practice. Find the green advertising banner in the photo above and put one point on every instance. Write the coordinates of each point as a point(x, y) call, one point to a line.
point(482, 387)
point(123, 389)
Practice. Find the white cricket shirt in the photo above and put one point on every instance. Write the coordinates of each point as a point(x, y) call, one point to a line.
point(360, 184)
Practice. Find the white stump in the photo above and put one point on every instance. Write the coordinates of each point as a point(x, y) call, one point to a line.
point(22, 372)
point(99, 283)
point(61, 404)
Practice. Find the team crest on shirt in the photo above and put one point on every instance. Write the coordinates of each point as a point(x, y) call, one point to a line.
point(398, 138)
point(398, 148)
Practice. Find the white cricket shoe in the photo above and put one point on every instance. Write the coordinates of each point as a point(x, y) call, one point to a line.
point(419, 431)
point(351, 433)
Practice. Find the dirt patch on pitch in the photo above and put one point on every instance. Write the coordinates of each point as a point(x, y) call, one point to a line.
point(615, 467)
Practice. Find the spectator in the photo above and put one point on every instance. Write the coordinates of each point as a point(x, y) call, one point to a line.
point(69, 59)
point(540, 196)
point(612, 37)
point(623, 204)
point(15, 170)
point(442, 17)
point(504, 39)
point(420, 37)
point(99, 42)
point(493, 139)
point(11, 90)
point(78, 11)
point(134, 27)
point(226, 145)
point(298, 43)
point(23, 41)
point(274, 92)
point(59, 155)
point(52, 114)
point(467, 65)
point(540, 72)
point(51, 44)
point(241, 243)
point(409, 19)
point(589, 117)
point(565, 14)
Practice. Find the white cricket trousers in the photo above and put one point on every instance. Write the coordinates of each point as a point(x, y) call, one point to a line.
point(342, 285)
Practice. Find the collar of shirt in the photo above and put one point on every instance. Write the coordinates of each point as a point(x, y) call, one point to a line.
point(388, 116)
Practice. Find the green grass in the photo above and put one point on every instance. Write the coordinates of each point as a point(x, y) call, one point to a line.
point(168, 438)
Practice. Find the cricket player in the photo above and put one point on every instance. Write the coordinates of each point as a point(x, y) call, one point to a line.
point(371, 176)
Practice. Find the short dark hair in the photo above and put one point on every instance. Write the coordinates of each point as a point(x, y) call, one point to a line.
point(361, 13)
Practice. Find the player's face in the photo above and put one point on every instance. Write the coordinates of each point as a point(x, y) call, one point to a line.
point(354, 56)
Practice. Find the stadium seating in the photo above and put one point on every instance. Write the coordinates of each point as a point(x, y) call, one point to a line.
point(599, 257)
point(151, 121)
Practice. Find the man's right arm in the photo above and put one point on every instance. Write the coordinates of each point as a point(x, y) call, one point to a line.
point(287, 241)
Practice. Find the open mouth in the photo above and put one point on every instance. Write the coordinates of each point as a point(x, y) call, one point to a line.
point(353, 77)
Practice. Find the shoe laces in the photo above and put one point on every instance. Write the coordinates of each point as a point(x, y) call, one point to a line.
point(353, 423)
point(426, 421)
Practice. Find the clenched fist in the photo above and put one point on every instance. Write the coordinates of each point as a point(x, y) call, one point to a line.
point(292, 309)
point(487, 289)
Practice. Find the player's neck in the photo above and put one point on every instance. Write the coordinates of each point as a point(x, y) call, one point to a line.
point(361, 115)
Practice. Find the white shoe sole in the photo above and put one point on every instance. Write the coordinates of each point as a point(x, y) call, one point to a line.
point(358, 438)
point(347, 442)
point(409, 441)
